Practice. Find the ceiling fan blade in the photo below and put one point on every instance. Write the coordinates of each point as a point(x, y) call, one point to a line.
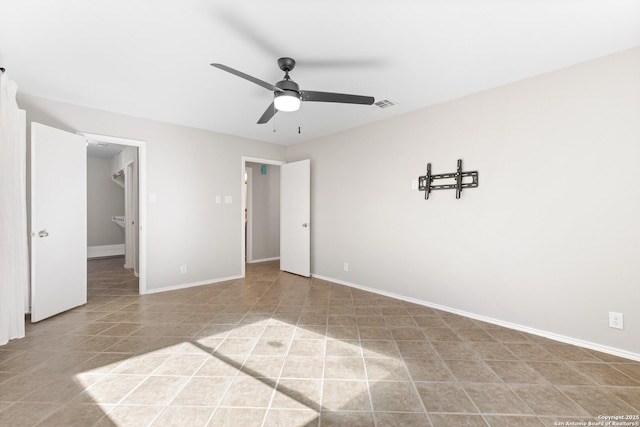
point(247, 77)
point(249, 29)
point(308, 95)
point(268, 114)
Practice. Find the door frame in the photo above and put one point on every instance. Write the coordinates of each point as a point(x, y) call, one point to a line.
point(130, 195)
point(243, 163)
point(142, 198)
point(248, 207)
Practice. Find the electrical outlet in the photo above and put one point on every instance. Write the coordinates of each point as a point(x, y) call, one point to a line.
point(616, 320)
point(346, 266)
point(183, 269)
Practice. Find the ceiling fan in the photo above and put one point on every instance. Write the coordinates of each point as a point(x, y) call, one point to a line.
point(287, 93)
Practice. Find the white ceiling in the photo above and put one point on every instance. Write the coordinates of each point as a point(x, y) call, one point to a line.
point(103, 150)
point(150, 58)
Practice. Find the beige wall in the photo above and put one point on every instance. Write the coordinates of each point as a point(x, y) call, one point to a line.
point(186, 169)
point(550, 240)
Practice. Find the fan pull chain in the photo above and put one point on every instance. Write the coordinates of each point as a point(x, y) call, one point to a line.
point(274, 119)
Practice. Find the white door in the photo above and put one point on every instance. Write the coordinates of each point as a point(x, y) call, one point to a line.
point(58, 221)
point(295, 218)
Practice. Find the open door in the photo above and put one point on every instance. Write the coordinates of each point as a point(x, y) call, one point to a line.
point(58, 221)
point(295, 218)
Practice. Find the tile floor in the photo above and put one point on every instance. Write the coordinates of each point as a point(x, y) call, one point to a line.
point(276, 349)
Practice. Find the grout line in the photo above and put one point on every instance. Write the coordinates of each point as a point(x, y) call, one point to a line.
point(324, 358)
point(366, 375)
point(413, 382)
point(277, 380)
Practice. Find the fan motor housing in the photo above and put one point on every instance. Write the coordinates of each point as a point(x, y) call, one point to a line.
point(288, 85)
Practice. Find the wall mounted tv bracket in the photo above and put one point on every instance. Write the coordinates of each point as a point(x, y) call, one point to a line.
point(425, 182)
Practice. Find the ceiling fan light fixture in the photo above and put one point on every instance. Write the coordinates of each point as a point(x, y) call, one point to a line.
point(287, 101)
point(287, 94)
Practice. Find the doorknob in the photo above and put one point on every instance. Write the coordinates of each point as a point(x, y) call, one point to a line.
point(43, 233)
point(305, 225)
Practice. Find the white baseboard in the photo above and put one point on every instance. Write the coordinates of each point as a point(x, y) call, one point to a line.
point(552, 336)
point(253, 261)
point(105, 250)
point(191, 285)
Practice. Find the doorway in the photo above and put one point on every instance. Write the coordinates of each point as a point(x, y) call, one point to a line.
point(260, 210)
point(129, 167)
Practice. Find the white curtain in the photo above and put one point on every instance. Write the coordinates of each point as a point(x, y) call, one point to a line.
point(14, 257)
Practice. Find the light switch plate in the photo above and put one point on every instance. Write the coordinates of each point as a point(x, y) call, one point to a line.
point(228, 200)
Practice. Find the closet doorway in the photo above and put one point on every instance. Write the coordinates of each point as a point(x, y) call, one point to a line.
point(116, 224)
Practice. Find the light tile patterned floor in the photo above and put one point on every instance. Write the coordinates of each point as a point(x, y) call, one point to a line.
point(280, 350)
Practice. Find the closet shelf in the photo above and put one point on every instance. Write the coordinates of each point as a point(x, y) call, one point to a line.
point(119, 219)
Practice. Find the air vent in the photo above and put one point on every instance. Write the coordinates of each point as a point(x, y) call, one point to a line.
point(385, 103)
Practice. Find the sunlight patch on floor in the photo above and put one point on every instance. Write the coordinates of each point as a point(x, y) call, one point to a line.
point(260, 365)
